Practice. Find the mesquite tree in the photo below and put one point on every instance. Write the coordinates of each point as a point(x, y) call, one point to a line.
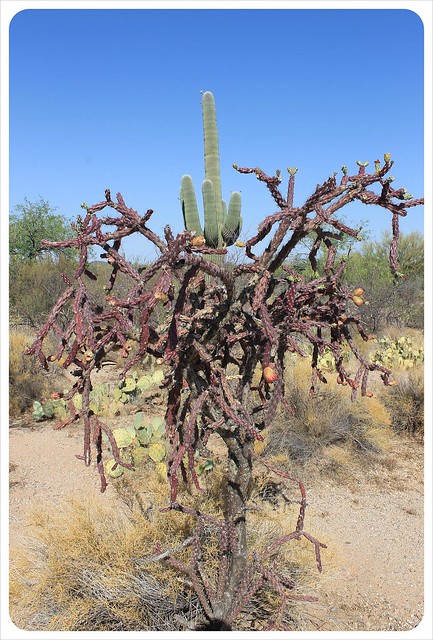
point(223, 324)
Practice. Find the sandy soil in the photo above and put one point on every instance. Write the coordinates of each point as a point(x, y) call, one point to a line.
point(373, 526)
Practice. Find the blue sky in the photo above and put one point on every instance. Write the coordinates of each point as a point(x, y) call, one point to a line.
point(111, 98)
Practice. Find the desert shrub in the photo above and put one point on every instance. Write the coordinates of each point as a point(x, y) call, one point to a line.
point(397, 302)
point(27, 381)
point(82, 571)
point(32, 222)
point(328, 418)
point(43, 276)
point(405, 402)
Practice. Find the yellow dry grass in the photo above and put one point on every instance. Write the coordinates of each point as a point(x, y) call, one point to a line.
point(80, 569)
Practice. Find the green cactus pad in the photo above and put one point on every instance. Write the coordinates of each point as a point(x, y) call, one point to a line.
point(49, 409)
point(129, 385)
point(131, 429)
point(143, 436)
point(38, 412)
point(94, 407)
point(122, 437)
point(77, 401)
point(158, 426)
point(139, 454)
point(158, 376)
point(145, 382)
point(138, 419)
point(112, 470)
point(156, 452)
point(117, 394)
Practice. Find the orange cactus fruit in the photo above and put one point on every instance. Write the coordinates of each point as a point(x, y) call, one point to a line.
point(341, 320)
point(127, 348)
point(269, 373)
point(369, 394)
point(358, 292)
point(358, 300)
point(198, 241)
point(88, 355)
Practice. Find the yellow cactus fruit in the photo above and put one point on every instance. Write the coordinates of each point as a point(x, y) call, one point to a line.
point(358, 301)
point(160, 295)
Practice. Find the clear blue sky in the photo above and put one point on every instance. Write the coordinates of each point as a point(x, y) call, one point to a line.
point(111, 98)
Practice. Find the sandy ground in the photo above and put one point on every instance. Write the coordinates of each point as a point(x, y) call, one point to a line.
point(373, 526)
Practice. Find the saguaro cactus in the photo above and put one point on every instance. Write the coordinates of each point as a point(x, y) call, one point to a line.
point(221, 227)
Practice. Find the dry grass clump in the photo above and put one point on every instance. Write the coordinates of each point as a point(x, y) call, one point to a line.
point(328, 430)
point(84, 567)
point(405, 402)
point(268, 520)
point(82, 570)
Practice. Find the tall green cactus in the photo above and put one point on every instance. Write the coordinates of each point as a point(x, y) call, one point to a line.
point(221, 227)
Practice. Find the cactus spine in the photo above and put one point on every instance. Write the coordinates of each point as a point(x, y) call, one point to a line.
point(221, 227)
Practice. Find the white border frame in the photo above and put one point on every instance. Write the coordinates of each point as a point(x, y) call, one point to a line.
point(8, 9)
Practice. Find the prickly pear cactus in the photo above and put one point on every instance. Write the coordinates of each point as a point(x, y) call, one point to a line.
point(398, 351)
point(221, 226)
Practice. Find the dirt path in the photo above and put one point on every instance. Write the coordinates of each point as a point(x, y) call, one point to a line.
point(373, 568)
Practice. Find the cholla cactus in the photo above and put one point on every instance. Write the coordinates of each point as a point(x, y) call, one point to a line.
point(217, 333)
point(221, 227)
